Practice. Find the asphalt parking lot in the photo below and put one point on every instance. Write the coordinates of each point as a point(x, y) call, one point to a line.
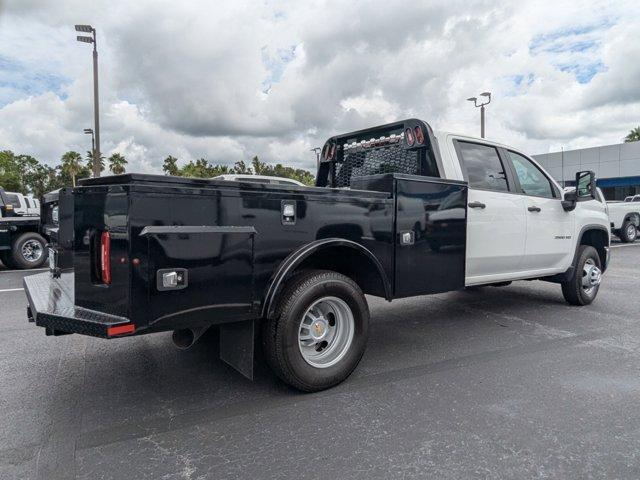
point(498, 383)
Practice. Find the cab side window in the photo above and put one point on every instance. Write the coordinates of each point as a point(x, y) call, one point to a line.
point(531, 178)
point(484, 167)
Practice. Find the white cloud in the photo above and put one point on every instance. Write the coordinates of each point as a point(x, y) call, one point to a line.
point(189, 78)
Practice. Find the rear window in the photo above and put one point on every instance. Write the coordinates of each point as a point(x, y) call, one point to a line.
point(13, 199)
point(484, 167)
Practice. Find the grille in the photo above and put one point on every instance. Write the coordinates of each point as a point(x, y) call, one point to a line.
point(374, 157)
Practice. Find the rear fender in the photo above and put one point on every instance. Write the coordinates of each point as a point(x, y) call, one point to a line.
point(295, 259)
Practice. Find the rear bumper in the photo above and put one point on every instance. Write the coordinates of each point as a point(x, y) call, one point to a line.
point(51, 305)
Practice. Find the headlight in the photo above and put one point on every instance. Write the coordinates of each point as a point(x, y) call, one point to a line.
point(54, 214)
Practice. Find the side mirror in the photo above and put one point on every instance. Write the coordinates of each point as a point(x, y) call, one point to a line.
point(585, 185)
point(585, 190)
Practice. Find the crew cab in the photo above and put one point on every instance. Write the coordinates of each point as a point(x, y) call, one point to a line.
point(397, 211)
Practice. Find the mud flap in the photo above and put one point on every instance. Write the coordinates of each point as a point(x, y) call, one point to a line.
point(236, 346)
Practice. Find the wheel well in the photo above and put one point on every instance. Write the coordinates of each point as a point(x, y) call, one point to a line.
point(348, 261)
point(597, 239)
point(634, 217)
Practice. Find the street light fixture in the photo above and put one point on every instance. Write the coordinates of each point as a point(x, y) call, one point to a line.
point(317, 151)
point(96, 108)
point(487, 95)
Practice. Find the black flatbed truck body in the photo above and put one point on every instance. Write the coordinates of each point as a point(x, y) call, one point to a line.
point(235, 244)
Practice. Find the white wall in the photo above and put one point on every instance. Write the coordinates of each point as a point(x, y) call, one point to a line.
point(609, 161)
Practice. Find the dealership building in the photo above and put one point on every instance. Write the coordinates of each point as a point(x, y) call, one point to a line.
point(617, 167)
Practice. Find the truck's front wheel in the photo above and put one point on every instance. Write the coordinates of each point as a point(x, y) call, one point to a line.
point(583, 286)
point(319, 331)
point(28, 251)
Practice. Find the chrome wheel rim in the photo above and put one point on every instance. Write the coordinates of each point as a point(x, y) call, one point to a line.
point(326, 332)
point(32, 251)
point(591, 276)
point(631, 232)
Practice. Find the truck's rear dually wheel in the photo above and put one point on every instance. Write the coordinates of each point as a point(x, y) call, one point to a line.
point(319, 331)
point(629, 232)
point(28, 251)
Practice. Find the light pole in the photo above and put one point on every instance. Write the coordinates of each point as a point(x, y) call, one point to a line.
point(89, 131)
point(317, 151)
point(96, 108)
point(487, 95)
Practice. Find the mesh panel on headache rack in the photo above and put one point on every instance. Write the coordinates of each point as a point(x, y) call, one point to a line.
point(359, 161)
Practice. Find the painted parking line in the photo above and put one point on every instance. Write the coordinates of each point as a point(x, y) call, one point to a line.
point(24, 271)
point(619, 245)
point(11, 290)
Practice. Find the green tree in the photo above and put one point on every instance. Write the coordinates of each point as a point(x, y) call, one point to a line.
point(633, 136)
point(262, 168)
point(89, 159)
point(70, 165)
point(36, 177)
point(170, 166)
point(117, 163)
point(201, 168)
point(10, 173)
point(241, 168)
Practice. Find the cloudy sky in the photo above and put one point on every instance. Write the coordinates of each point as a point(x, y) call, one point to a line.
point(228, 80)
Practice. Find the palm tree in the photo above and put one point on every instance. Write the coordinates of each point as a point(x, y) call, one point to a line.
point(89, 159)
point(634, 135)
point(117, 163)
point(170, 166)
point(71, 165)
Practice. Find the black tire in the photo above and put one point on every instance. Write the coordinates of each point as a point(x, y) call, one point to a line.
point(5, 258)
point(23, 262)
point(629, 232)
point(280, 334)
point(573, 291)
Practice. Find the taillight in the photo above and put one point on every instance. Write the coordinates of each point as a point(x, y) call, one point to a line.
point(105, 257)
point(419, 134)
point(408, 136)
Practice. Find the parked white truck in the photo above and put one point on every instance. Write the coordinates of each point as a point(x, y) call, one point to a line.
point(625, 219)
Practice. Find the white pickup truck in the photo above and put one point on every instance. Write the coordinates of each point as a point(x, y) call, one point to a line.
point(625, 218)
point(397, 211)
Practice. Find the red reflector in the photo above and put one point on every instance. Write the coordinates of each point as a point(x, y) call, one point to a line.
point(105, 257)
point(121, 330)
point(408, 136)
point(419, 135)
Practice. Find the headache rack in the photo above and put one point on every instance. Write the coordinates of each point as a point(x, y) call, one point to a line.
point(403, 147)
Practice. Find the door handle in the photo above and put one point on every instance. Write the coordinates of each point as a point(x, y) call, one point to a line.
point(477, 205)
point(534, 209)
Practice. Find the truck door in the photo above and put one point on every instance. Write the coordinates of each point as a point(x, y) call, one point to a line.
point(496, 222)
point(549, 226)
point(431, 232)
